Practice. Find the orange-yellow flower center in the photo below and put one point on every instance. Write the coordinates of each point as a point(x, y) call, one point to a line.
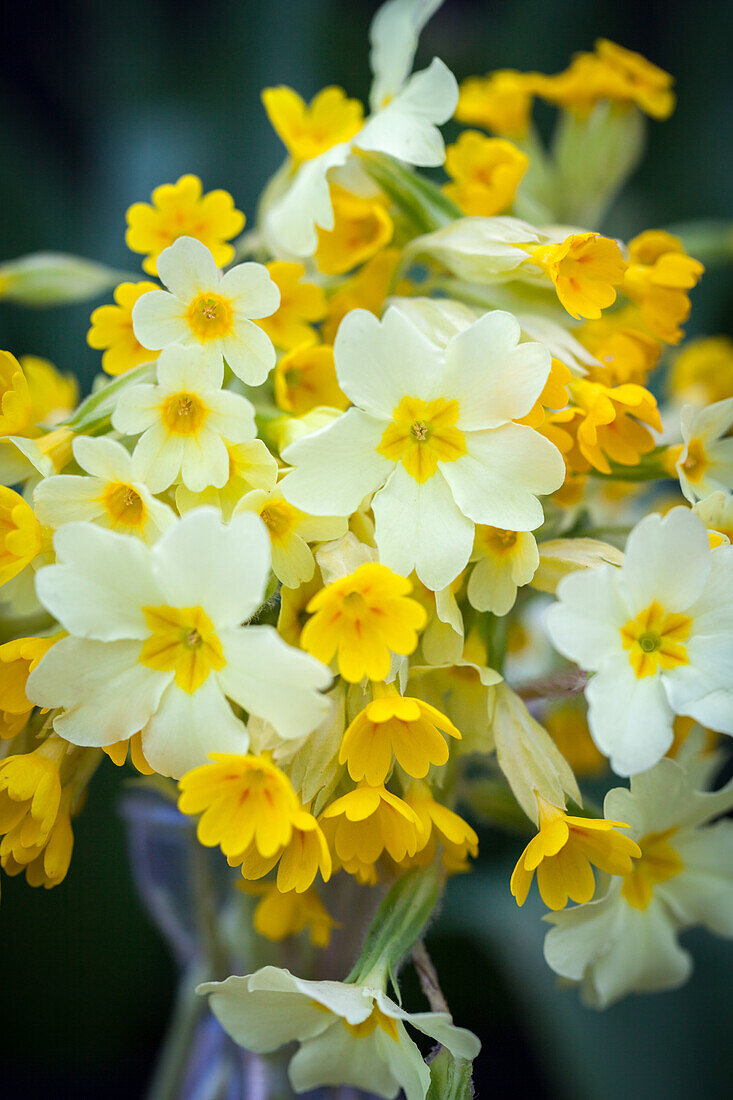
point(280, 519)
point(659, 862)
point(124, 505)
point(183, 413)
point(654, 640)
point(210, 317)
point(183, 641)
point(376, 1019)
point(422, 434)
point(696, 462)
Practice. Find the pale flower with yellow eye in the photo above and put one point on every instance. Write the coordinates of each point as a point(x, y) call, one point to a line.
point(431, 434)
point(251, 466)
point(657, 634)
point(505, 560)
point(207, 310)
point(290, 531)
point(112, 495)
point(184, 422)
point(627, 941)
point(705, 462)
point(156, 642)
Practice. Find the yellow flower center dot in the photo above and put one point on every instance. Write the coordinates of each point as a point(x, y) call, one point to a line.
point(182, 640)
point(183, 413)
point(654, 640)
point(659, 862)
point(210, 317)
point(422, 434)
point(696, 462)
point(279, 518)
point(124, 505)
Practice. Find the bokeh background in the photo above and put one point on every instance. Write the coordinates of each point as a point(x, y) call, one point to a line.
point(99, 103)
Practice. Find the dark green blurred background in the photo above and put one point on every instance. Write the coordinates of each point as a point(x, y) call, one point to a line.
point(99, 103)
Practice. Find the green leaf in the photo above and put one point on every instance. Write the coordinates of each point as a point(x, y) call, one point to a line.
point(418, 198)
point(450, 1078)
point(397, 925)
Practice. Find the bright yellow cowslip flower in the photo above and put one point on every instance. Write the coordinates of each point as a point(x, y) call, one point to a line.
point(368, 821)
point(612, 73)
point(442, 827)
point(118, 753)
point(302, 304)
point(181, 210)
point(554, 395)
point(563, 853)
point(305, 379)
point(500, 102)
point(279, 915)
point(702, 373)
point(362, 228)
point(658, 278)
point(394, 727)
point(242, 800)
point(111, 330)
point(30, 791)
point(21, 535)
point(367, 289)
point(307, 130)
point(304, 856)
point(361, 619)
point(607, 423)
point(18, 658)
point(585, 269)
point(567, 725)
point(625, 352)
point(486, 173)
point(33, 392)
point(45, 863)
point(15, 399)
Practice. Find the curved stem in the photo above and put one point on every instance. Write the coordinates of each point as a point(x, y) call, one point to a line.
point(428, 977)
point(571, 681)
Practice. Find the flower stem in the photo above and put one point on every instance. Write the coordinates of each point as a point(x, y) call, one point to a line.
point(428, 977)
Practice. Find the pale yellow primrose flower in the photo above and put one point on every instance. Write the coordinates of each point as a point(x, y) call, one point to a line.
point(431, 434)
point(348, 1034)
point(157, 631)
point(112, 496)
point(204, 309)
point(186, 420)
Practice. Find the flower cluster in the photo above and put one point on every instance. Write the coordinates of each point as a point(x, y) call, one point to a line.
point(291, 554)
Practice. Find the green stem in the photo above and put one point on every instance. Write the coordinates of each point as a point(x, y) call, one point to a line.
point(187, 1011)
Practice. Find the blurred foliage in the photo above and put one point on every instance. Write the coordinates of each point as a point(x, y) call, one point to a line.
point(99, 103)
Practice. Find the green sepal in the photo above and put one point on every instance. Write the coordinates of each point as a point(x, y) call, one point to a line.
point(418, 198)
point(43, 279)
point(396, 926)
point(450, 1078)
point(99, 406)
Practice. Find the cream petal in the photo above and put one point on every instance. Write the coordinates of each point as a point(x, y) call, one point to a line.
point(196, 368)
point(108, 695)
point(378, 363)
point(103, 457)
point(419, 526)
point(67, 498)
point(187, 727)
point(585, 624)
point(159, 319)
point(496, 481)
point(137, 409)
point(187, 268)
point(667, 559)
point(255, 292)
point(393, 35)
point(629, 716)
point(291, 222)
point(157, 458)
point(274, 681)
point(221, 568)
point(336, 466)
point(406, 128)
point(262, 1020)
point(204, 461)
point(99, 583)
point(232, 416)
point(338, 1057)
point(249, 352)
point(493, 378)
